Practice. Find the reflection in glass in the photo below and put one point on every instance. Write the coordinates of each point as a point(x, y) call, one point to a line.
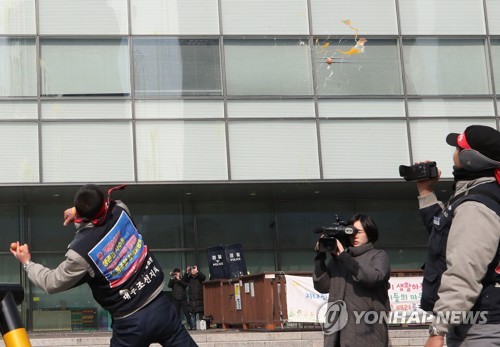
point(248, 223)
point(85, 67)
point(268, 67)
point(170, 66)
point(446, 66)
point(374, 71)
point(17, 67)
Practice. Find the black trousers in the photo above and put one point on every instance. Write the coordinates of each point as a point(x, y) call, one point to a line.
point(182, 305)
point(158, 322)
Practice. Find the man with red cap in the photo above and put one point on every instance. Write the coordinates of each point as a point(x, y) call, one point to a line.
point(462, 274)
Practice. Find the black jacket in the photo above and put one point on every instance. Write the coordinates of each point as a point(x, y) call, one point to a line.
point(178, 288)
point(195, 291)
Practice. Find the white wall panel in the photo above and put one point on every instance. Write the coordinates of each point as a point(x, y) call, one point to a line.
point(270, 108)
point(442, 17)
point(174, 17)
point(18, 109)
point(87, 152)
point(17, 17)
point(451, 108)
point(261, 17)
point(363, 149)
point(369, 17)
point(428, 140)
point(19, 152)
point(156, 109)
point(361, 108)
point(86, 109)
point(273, 150)
point(87, 17)
point(493, 11)
point(181, 151)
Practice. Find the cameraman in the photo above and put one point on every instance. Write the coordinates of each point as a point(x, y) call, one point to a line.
point(462, 272)
point(179, 294)
point(358, 276)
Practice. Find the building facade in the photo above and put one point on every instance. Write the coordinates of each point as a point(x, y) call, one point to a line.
point(232, 121)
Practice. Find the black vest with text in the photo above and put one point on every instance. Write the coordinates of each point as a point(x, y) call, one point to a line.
point(125, 274)
point(435, 266)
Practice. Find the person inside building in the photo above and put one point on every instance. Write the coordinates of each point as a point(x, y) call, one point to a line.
point(356, 279)
point(462, 272)
point(179, 295)
point(109, 254)
point(195, 279)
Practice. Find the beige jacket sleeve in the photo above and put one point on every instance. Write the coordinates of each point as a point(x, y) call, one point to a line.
point(472, 244)
point(62, 278)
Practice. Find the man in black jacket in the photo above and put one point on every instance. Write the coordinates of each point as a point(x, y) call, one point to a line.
point(179, 295)
point(110, 255)
point(195, 279)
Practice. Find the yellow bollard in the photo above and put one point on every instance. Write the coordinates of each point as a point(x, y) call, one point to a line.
point(13, 332)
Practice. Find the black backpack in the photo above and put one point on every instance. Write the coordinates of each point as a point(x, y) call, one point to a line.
point(487, 194)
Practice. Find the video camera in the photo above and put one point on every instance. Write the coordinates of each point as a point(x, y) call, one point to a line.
point(340, 230)
point(418, 171)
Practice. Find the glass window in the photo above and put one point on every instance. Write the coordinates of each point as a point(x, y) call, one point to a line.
point(399, 222)
point(47, 230)
point(248, 223)
point(443, 17)
point(259, 261)
point(451, 108)
point(426, 133)
point(156, 109)
point(9, 217)
point(17, 109)
point(495, 57)
point(178, 150)
point(446, 66)
point(493, 11)
point(274, 149)
point(261, 17)
point(64, 310)
point(405, 258)
point(170, 66)
point(18, 17)
point(99, 17)
point(354, 17)
point(366, 139)
point(71, 154)
point(159, 223)
point(19, 153)
point(297, 220)
point(268, 67)
point(361, 108)
point(88, 109)
point(17, 67)
point(297, 260)
point(85, 67)
point(175, 17)
point(270, 108)
point(375, 71)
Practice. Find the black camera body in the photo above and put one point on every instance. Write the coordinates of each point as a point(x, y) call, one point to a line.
point(340, 230)
point(418, 172)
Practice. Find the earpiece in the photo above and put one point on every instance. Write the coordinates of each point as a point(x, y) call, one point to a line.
point(474, 161)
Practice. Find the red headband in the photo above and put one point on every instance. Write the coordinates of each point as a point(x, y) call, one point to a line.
point(100, 217)
point(462, 141)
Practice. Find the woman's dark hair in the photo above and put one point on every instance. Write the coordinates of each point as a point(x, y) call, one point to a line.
point(89, 200)
point(368, 225)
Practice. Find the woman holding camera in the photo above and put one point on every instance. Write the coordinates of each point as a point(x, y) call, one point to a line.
point(357, 280)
